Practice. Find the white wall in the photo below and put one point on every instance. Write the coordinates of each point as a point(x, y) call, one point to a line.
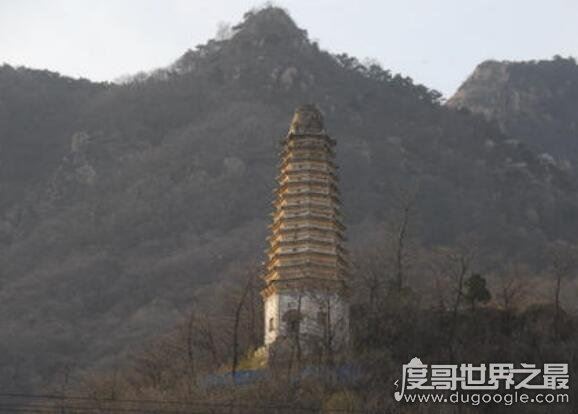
point(271, 311)
point(311, 303)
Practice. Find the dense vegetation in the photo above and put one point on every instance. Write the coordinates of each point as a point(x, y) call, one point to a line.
point(121, 204)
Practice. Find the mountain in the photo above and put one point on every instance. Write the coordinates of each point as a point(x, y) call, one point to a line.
point(120, 202)
point(533, 102)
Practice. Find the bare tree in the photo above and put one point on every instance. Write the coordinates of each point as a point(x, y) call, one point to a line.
point(190, 352)
point(250, 279)
point(370, 276)
point(206, 340)
point(400, 241)
point(455, 265)
point(564, 261)
point(513, 286)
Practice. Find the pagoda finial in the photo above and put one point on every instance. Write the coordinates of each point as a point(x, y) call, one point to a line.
point(307, 120)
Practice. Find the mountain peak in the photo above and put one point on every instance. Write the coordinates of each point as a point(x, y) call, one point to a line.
point(272, 23)
point(269, 18)
point(526, 99)
point(482, 88)
point(268, 36)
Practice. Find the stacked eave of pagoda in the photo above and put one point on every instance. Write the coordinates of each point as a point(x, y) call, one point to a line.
point(306, 245)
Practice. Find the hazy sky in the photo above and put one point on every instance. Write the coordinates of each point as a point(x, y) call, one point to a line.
point(436, 42)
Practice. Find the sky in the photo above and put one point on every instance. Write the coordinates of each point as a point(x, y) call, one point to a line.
point(435, 42)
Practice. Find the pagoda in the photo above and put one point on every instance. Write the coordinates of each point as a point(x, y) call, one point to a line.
point(305, 294)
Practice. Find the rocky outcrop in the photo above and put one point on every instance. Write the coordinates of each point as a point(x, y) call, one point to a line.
point(76, 170)
point(485, 90)
point(534, 102)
